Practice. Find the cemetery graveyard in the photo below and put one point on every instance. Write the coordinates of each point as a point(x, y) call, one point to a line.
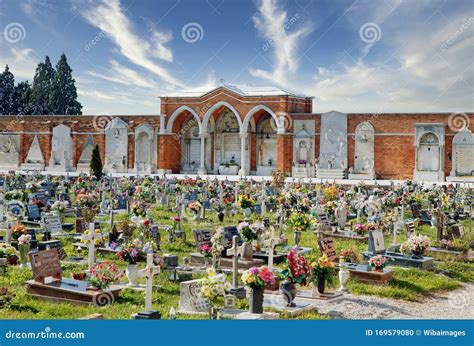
point(151, 247)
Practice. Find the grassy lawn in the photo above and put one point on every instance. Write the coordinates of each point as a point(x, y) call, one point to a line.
point(408, 284)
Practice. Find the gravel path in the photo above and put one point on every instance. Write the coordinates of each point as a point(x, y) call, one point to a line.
point(456, 304)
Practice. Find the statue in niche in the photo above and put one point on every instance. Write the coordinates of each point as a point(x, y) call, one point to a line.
point(302, 153)
point(9, 146)
point(260, 153)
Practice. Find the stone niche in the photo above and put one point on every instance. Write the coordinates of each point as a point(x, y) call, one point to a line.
point(333, 146)
point(84, 163)
point(145, 149)
point(303, 148)
point(61, 150)
point(116, 146)
point(9, 151)
point(463, 154)
point(34, 160)
point(364, 159)
point(429, 152)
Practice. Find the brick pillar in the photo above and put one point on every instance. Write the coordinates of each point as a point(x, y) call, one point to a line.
point(285, 152)
point(169, 158)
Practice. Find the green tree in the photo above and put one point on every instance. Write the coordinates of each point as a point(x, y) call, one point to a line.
point(63, 96)
point(7, 92)
point(41, 88)
point(22, 98)
point(96, 163)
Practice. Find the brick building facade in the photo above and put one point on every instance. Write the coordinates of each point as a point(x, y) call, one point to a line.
point(229, 130)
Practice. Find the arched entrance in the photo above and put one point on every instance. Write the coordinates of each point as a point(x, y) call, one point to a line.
point(429, 161)
point(428, 157)
point(266, 145)
point(190, 147)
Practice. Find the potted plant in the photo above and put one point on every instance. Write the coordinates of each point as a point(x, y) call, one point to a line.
point(415, 246)
point(378, 263)
point(24, 248)
point(255, 279)
point(17, 231)
point(133, 254)
point(8, 253)
point(214, 288)
point(296, 270)
point(102, 275)
point(322, 273)
point(219, 244)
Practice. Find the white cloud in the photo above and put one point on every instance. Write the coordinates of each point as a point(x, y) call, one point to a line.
point(276, 27)
point(22, 62)
point(109, 16)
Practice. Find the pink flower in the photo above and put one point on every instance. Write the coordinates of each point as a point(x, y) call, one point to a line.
point(266, 275)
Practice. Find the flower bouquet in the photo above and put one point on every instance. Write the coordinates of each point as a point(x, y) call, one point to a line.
point(245, 202)
point(102, 275)
point(256, 279)
point(322, 273)
point(195, 207)
point(23, 247)
point(299, 222)
point(214, 288)
point(360, 228)
point(247, 232)
point(59, 206)
point(8, 252)
point(17, 231)
point(378, 262)
point(138, 209)
point(132, 252)
point(206, 250)
point(296, 270)
point(416, 245)
point(87, 200)
point(349, 255)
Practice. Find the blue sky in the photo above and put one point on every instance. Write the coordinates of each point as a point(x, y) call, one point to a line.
point(352, 56)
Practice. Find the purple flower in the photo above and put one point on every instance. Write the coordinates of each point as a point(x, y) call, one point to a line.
point(253, 270)
point(134, 253)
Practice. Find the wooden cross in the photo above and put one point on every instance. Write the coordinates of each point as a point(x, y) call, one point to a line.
point(271, 243)
point(234, 252)
point(149, 272)
point(91, 237)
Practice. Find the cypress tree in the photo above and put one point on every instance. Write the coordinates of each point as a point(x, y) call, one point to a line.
point(41, 88)
point(7, 92)
point(63, 96)
point(96, 163)
point(22, 98)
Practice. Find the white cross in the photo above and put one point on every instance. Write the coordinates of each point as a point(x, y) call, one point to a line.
point(271, 243)
point(264, 207)
point(234, 252)
point(280, 221)
point(149, 272)
point(91, 237)
point(236, 194)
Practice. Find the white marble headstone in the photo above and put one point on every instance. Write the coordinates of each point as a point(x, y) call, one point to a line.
point(9, 151)
point(333, 145)
point(116, 146)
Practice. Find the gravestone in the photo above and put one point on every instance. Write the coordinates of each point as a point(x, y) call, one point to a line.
point(116, 146)
point(84, 163)
point(45, 264)
point(463, 154)
point(33, 212)
point(229, 232)
point(364, 152)
point(202, 237)
point(409, 228)
point(51, 224)
point(190, 300)
point(156, 236)
point(333, 146)
point(61, 150)
point(326, 245)
point(34, 160)
point(376, 242)
point(9, 151)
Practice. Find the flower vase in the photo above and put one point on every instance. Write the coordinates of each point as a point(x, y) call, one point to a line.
point(255, 296)
point(247, 212)
point(288, 289)
point(216, 263)
point(321, 284)
point(297, 238)
point(417, 254)
point(220, 216)
point(24, 249)
point(258, 246)
point(247, 250)
point(132, 275)
point(378, 269)
point(343, 277)
point(197, 217)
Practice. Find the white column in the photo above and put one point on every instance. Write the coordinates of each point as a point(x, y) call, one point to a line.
point(202, 166)
point(162, 124)
point(243, 158)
